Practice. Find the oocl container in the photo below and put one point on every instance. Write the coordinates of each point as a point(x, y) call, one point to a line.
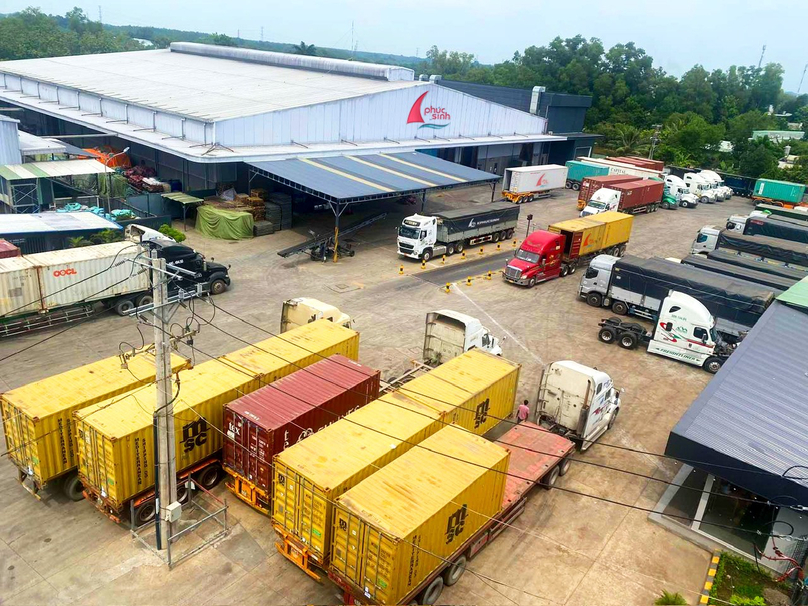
point(115, 441)
point(267, 421)
point(37, 418)
point(475, 390)
point(396, 527)
point(19, 283)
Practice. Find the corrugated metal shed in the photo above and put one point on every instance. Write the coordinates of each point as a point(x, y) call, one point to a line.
point(31, 144)
point(9, 141)
point(57, 168)
point(752, 416)
point(43, 223)
point(348, 178)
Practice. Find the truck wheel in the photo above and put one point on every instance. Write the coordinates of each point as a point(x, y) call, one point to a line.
point(573, 268)
point(627, 340)
point(565, 270)
point(495, 237)
point(144, 513)
point(620, 308)
point(509, 235)
point(217, 287)
point(607, 334)
point(123, 306)
point(503, 235)
point(551, 478)
point(612, 418)
point(426, 255)
point(459, 247)
point(531, 283)
point(713, 364)
point(182, 491)
point(73, 488)
point(564, 466)
point(704, 200)
point(568, 185)
point(208, 477)
point(450, 249)
point(145, 299)
point(576, 187)
point(452, 574)
point(594, 299)
point(432, 593)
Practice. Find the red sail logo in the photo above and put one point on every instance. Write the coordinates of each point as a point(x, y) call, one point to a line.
point(428, 117)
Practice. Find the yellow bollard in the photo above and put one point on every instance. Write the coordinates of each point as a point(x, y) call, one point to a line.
point(468, 281)
point(489, 275)
point(499, 247)
point(448, 288)
point(481, 251)
point(400, 270)
point(463, 255)
point(443, 260)
point(514, 243)
point(423, 264)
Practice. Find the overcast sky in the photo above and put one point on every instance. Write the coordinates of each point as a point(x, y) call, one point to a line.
point(679, 34)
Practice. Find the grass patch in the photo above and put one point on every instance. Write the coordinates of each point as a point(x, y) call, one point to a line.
point(738, 581)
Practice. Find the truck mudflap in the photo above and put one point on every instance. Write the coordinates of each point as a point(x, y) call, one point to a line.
point(296, 552)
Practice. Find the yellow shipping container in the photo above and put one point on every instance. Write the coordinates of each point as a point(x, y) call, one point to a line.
point(37, 418)
point(396, 528)
point(618, 227)
point(474, 390)
point(115, 440)
point(589, 235)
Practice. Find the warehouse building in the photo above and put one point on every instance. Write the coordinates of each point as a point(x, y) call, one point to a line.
point(743, 444)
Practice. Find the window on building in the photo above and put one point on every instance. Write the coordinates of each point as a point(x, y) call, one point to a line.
point(743, 512)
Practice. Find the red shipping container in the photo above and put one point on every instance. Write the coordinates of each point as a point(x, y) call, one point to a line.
point(261, 424)
point(652, 164)
point(7, 249)
point(592, 184)
point(639, 193)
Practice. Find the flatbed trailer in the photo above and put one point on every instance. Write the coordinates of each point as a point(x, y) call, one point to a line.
point(538, 457)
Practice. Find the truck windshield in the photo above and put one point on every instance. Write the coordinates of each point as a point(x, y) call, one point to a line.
point(408, 232)
point(525, 255)
point(701, 237)
point(596, 204)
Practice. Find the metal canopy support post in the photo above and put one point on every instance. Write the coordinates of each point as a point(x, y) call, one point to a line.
point(423, 201)
point(493, 189)
point(337, 209)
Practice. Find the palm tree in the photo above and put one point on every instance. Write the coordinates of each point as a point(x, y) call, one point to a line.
point(629, 138)
point(305, 49)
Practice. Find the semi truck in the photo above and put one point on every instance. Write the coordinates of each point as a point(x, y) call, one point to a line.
point(591, 185)
point(559, 250)
point(449, 333)
point(45, 289)
point(577, 402)
point(777, 283)
point(763, 248)
point(685, 331)
point(717, 182)
point(778, 193)
point(798, 212)
point(304, 310)
point(577, 171)
point(632, 198)
point(526, 183)
point(409, 504)
point(732, 258)
point(776, 228)
point(680, 190)
point(636, 286)
point(699, 186)
point(450, 231)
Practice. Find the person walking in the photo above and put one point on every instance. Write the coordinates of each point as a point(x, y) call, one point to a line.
point(523, 412)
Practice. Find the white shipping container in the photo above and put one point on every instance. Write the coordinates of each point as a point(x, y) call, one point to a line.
point(618, 168)
point(19, 287)
point(90, 273)
point(526, 179)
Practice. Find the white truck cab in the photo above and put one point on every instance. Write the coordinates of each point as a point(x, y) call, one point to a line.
point(699, 186)
point(717, 182)
point(680, 190)
point(576, 401)
point(602, 200)
point(450, 333)
point(419, 232)
point(706, 240)
point(303, 310)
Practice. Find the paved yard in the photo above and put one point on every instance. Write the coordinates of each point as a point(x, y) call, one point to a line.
point(568, 549)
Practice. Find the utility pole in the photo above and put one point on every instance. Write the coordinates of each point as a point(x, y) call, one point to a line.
point(100, 18)
point(763, 52)
point(654, 140)
point(802, 78)
point(164, 407)
point(262, 33)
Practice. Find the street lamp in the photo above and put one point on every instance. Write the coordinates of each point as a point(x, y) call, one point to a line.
point(109, 176)
point(529, 219)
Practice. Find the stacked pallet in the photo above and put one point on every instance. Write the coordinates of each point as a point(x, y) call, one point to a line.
point(284, 203)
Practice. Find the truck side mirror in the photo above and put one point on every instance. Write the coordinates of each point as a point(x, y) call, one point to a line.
point(669, 326)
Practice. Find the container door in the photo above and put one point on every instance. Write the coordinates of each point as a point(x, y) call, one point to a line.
point(572, 244)
point(348, 547)
point(284, 505)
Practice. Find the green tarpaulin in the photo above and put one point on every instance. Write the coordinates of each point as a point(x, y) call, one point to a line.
point(224, 224)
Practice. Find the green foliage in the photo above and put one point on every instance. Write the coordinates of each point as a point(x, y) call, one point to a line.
point(171, 232)
point(305, 49)
point(744, 601)
point(78, 242)
point(670, 598)
point(759, 158)
point(106, 236)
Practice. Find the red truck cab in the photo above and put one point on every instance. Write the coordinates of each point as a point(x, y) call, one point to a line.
point(537, 260)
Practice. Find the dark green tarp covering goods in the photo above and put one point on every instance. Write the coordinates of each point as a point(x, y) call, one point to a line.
point(224, 224)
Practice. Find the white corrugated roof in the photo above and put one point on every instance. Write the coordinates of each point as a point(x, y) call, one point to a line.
point(24, 223)
point(31, 144)
point(56, 168)
point(206, 88)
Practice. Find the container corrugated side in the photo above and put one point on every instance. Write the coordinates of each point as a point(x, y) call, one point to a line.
point(279, 356)
point(37, 418)
point(19, 287)
point(115, 437)
point(578, 171)
point(784, 191)
point(311, 474)
point(537, 178)
point(396, 527)
point(477, 388)
point(618, 228)
point(90, 272)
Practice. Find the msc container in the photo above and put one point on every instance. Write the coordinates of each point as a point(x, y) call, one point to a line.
point(115, 440)
point(577, 171)
point(534, 179)
point(637, 194)
point(8, 250)
point(586, 236)
point(780, 191)
point(89, 273)
point(475, 390)
point(261, 424)
point(592, 184)
point(19, 283)
point(395, 528)
point(37, 418)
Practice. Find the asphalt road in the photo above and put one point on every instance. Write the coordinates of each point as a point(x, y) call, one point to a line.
point(458, 272)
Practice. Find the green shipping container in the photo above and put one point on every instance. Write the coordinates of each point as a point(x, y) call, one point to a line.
point(578, 171)
point(782, 191)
